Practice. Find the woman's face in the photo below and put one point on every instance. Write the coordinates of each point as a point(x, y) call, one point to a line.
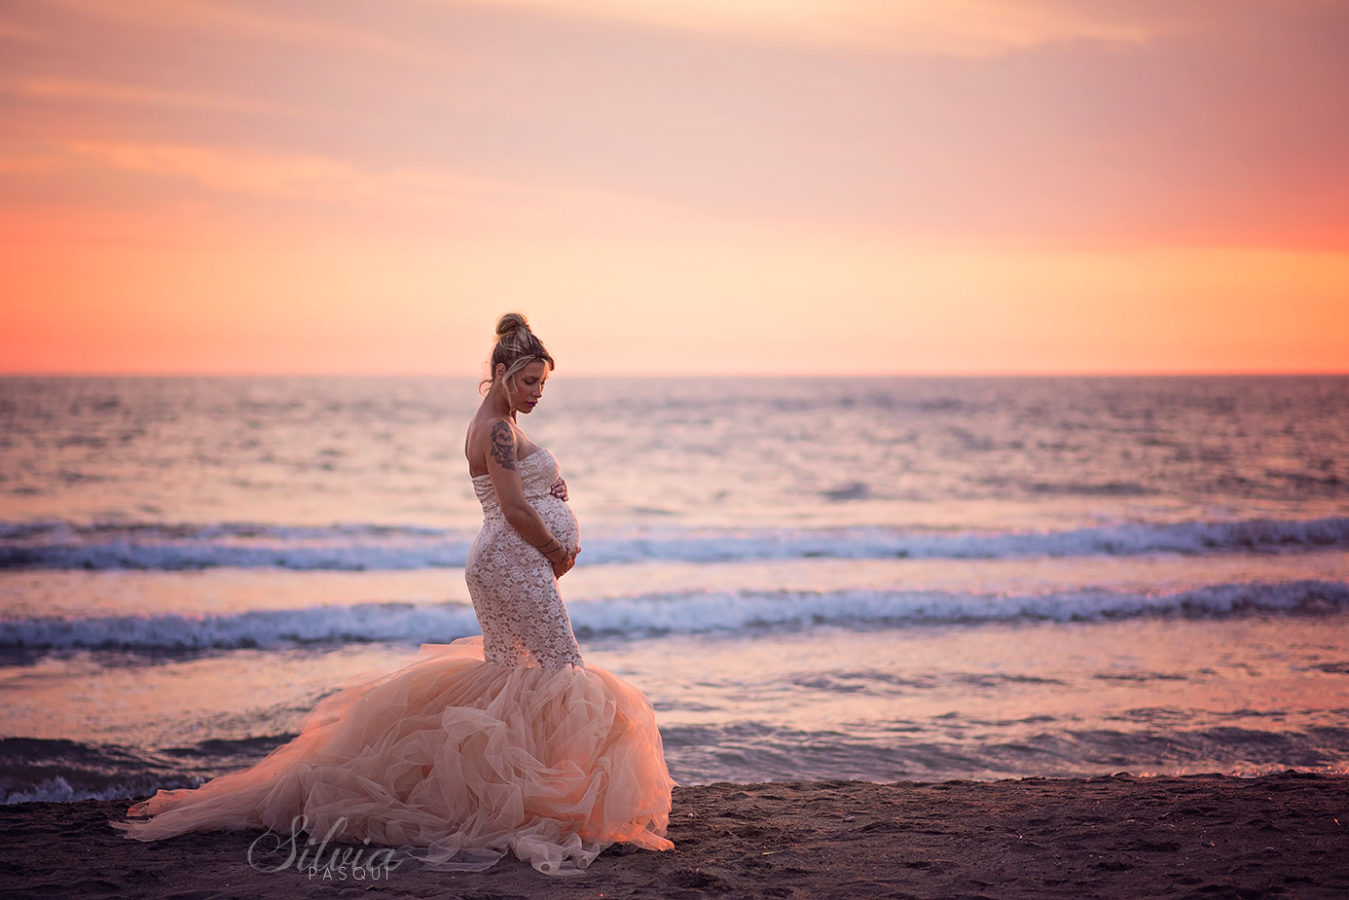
point(525, 389)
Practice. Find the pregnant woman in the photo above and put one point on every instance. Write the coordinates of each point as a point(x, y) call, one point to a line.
point(486, 746)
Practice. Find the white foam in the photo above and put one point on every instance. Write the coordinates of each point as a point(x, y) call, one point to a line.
point(664, 613)
point(735, 611)
point(58, 790)
point(327, 624)
point(380, 548)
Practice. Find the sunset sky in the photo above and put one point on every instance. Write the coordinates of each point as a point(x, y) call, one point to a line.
point(675, 186)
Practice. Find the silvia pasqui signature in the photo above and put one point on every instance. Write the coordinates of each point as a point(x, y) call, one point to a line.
point(314, 858)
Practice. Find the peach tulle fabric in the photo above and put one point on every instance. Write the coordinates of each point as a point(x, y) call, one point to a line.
point(458, 760)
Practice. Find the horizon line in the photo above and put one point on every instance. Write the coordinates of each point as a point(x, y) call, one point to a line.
point(1048, 373)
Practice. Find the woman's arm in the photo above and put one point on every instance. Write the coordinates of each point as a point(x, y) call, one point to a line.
point(504, 469)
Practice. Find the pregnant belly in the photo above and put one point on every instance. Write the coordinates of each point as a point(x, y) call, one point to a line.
point(558, 517)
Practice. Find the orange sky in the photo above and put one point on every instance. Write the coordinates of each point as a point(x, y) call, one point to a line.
point(675, 186)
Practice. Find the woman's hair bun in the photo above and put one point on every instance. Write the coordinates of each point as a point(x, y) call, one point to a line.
point(516, 347)
point(510, 322)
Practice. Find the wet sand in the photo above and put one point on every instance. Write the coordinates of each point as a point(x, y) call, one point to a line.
point(1197, 836)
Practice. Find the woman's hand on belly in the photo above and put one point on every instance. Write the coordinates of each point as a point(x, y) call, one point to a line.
point(563, 566)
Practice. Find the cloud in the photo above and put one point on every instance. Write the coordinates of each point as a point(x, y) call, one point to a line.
point(951, 27)
point(61, 90)
point(315, 192)
point(262, 23)
point(18, 33)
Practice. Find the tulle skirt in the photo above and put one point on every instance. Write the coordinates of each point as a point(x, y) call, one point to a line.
point(456, 762)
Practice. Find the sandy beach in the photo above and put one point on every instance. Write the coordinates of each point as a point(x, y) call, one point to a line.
point(1120, 836)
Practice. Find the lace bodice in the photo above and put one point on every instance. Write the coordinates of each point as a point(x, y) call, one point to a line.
point(538, 471)
point(514, 592)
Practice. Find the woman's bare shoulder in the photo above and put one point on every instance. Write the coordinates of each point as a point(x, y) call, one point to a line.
point(490, 436)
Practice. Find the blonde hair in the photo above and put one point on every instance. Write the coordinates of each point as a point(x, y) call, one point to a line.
point(516, 347)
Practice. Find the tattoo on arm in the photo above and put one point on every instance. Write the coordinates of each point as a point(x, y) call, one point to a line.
point(503, 445)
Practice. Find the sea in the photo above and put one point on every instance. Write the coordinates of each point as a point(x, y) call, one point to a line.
point(811, 578)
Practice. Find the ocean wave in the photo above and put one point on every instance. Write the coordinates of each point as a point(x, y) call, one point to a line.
point(360, 623)
point(697, 612)
point(755, 751)
point(172, 547)
point(66, 771)
point(369, 547)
